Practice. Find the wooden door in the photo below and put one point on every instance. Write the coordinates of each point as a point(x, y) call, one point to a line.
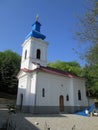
point(61, 103)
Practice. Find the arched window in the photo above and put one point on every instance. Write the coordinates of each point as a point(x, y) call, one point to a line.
point(67, 97)
point(25, 54)
point(79, 95)
point(43, 92)
point(38, 54)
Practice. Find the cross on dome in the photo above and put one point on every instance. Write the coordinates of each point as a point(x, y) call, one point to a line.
point(37, 17)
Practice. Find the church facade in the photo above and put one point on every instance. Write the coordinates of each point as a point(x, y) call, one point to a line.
point(42, 89)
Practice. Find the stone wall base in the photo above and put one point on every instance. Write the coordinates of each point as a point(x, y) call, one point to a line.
point(50, 109)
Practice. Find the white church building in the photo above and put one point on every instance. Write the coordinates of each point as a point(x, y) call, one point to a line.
point(42, 89)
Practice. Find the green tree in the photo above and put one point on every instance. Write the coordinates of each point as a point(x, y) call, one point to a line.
point(72, 67)
point(88, 32)
point(10, 64)
point(1, 59)
point(88, 25)
point(91, 75)
point(91, 70)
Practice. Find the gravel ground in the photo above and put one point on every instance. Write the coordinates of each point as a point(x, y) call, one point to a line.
point(24, 121)
point(54, 122)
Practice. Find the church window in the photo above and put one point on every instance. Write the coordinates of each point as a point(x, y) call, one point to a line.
point(38, 54)
point(43, 92)
point(79, 95)
point(25, 54)
point(67, 97)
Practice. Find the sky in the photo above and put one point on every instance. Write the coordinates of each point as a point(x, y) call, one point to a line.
point(59, 24)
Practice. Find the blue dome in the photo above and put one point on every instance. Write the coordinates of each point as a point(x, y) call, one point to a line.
point(35, 32)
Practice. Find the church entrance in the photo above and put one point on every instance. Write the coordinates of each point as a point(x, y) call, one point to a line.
point(61, 103)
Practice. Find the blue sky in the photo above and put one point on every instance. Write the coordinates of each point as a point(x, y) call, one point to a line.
point(59, 23)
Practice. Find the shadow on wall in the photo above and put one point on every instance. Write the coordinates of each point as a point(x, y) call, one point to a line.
point(25, 101)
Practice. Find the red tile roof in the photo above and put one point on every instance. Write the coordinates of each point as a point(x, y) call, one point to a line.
point(52, 71)
point(26, 70)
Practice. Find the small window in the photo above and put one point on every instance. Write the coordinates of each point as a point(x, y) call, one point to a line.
point(25, 54)
point(43, 92)
point(38, 54)
point(67, 97)
point(79, 95)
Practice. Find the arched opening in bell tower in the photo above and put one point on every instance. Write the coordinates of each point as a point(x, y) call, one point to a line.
point(38, 54)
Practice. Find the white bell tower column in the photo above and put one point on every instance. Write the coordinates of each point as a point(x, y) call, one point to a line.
point(34, 49)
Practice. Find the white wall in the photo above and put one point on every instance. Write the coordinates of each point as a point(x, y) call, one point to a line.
point(22, 89)
point(27, 87)
point(79, 84)
point(42, 45)
point(25, 63)
point(54, 87)
point(31, 45)
point(32, 91)
point(31, 86)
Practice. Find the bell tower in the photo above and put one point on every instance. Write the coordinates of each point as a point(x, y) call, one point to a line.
point(34, 48)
